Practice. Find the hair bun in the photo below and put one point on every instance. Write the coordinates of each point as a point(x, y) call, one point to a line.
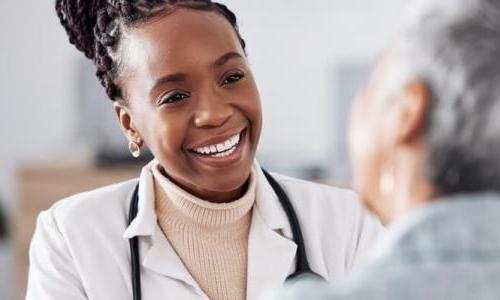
point(79, 17)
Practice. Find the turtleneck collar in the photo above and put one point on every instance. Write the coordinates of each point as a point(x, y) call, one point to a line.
point(202, 211)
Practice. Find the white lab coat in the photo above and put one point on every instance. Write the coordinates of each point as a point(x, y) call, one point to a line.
point(80, 248)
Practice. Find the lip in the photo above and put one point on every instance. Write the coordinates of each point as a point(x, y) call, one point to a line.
point(220, 162)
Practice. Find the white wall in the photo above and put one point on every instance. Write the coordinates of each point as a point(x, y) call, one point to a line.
point(36, 88)
point(294, 46)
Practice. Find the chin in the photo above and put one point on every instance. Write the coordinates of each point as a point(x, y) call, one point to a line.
point(366, 198)
point(372, 204)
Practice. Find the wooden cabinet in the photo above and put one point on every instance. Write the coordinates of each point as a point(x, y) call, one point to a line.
point(39, 187)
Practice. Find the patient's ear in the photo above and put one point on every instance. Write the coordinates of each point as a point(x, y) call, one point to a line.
point(412, 109)
point(127, 123)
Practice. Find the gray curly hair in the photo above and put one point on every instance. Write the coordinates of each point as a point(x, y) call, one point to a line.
point(454, 47)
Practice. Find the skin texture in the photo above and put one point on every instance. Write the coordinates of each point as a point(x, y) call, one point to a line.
point(187, 84)
point(386, 140)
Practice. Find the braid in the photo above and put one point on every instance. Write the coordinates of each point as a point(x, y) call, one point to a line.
point(104, 44)
point(93, 26)
point(77, 19)
point(231, 17)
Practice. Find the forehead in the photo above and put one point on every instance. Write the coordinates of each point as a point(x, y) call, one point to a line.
point(380, 69)
point(175, 41)
point(389, 74)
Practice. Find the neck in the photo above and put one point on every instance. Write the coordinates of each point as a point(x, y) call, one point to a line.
point(208, 195)
point(412, 189)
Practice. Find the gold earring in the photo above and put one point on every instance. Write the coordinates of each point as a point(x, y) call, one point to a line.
point(134, 149)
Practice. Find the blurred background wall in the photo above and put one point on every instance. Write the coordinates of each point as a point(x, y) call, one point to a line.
point(309, 57)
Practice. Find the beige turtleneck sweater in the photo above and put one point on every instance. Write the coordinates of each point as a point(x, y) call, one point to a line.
point(210, 238)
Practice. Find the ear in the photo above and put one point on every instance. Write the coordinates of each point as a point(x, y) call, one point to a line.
point(413, 106)
point(126, 123)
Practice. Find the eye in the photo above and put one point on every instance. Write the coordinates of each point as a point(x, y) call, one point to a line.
point(232, 78)
point(173, 97)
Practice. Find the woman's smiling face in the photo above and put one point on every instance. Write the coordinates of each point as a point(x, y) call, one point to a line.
point(193, 101)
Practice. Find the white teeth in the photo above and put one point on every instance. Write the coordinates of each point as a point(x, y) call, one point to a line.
point(222, 149)
point(225, 153)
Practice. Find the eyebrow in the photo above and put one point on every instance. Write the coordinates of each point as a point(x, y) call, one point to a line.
point(172, 78)
point(226, 57)
point(180, 77)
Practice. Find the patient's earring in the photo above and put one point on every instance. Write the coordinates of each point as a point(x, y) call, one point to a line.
point(134, 149)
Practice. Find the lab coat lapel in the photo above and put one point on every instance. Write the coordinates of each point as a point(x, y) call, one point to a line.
point(162, 259)
point(156, 252)
point(271, 250)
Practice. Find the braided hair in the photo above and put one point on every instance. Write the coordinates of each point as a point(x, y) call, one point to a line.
point(95, 28)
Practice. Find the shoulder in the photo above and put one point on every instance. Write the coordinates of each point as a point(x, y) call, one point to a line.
point(78, 236)
point(336, 226)
point(410, 281)
point(105, 205)
point(381, 280)
point(377, 284)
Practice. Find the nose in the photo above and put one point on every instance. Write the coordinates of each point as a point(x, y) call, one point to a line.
point(212, 111)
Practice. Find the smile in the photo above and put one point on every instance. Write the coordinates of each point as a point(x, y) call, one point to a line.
point(222, 149)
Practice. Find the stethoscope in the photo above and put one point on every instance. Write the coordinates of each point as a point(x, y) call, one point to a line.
point(302, 268)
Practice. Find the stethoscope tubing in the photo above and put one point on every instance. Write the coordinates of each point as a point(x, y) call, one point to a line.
point(302, 268)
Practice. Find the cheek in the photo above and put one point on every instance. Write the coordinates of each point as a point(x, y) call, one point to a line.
point(364, 151)
point(166, 134)
point(249, 104)
point(255, 115)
